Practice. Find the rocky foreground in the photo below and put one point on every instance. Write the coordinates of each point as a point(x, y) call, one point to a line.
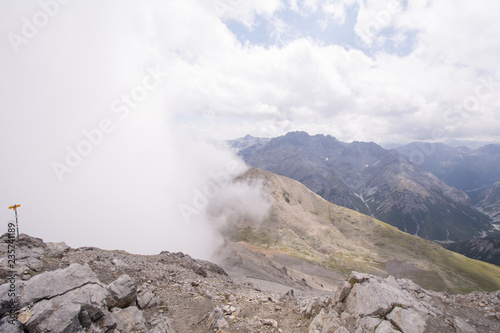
point(60, 289)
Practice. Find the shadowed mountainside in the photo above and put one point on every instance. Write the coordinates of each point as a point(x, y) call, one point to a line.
point(467, 169)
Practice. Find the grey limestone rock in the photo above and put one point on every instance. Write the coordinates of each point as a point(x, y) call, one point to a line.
point(130, 320)
point(123, 292)
point(215, 320)
point(146, 297)
point(407, 320)
point(56, 283)
point(7, 326)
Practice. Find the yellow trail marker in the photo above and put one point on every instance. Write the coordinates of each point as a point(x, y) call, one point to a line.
point(17, 225)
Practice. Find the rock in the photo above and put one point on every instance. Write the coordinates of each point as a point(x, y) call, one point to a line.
point(63, 316)
point(342, 291)
point(57, 250)
point(119, 263)
point(462, 326)
point(211, 267)
point(10, 327)
point(228, 309)
point(289, 296)
point(313, 306)
point(385, 327)
point(30, 317)
point(123, 292)
point(144, 299)
point(390, 305)
point(374, 297)
point(161, 325)
point(356, 277)
point(70, 312)
point(215, 320)
point(108, 322)
point(84, 318)
point(325, 322)
point(269, 322)
point(129, 320)
point(407, 320)
point(200, 271)
point(367, 324)
point(34, 264)
point(409, 285)
point(14, 287)
point(145, 296)
point(51, 284)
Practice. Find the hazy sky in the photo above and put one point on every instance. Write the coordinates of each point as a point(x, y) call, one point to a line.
point(105, 105)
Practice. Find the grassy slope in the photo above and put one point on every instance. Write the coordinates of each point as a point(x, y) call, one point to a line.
point(305, 225)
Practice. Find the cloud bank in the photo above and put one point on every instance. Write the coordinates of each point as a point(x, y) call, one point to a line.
point(92, 153)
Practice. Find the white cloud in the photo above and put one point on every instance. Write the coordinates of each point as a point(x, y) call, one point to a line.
point(244, 11)
point(375, 16)
point(337, 9)
point(125, 190)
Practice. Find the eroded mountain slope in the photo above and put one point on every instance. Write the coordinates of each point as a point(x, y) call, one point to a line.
point(305, 225)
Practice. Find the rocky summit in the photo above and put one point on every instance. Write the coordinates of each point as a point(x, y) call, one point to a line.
point(61, 289)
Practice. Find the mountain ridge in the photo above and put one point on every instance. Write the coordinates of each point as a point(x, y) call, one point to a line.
point(378, 182)
point(461, 167)
point(307, 226)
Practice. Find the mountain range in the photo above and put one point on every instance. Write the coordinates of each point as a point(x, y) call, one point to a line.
point(374, 181)
point(467, 169)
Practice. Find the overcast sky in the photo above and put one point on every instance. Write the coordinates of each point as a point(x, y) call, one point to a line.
point(162, 76)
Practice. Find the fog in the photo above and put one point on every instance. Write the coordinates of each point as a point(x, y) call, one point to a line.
point(90, 147)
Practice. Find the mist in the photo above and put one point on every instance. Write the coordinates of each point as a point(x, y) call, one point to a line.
point(89, 142)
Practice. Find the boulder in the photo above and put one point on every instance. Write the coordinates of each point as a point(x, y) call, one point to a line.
point(367, 324)
point(55, 316)
point(407, 320)
point(108, 322)
point(123, 292)
point(375, 297)
point(146, 297)
point(56, 250)
point(30, 317)
point(385, 327)
point(200, 270)
point(325, 322)
point(129, 320)
point(70, 312)
point(55, 283)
